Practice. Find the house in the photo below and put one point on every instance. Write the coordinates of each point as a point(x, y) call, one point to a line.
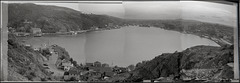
point(71, 74)
point(36, 30)
point(101, 69)
point(11, 30)
point(67, 65)
point(146, 80)
point(105, 65)
point(97, 64)
point(120, 70)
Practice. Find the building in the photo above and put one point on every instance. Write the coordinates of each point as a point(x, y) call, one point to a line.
point(67, 65)
point(72, 74)
point(97, 64)
point(11, 30)
point(101, 69)
point(120, 70)
point(147, 81)
point(105, 65)
point(36, 30)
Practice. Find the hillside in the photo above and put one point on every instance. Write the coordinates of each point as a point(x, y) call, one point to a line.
point(53, 19)
point(209, 59)
point(24, 63)
point(215, 32)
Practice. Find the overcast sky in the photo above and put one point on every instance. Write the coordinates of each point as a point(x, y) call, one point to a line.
point(194, 10)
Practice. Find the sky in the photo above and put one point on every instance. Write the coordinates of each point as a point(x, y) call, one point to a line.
point(193, 10)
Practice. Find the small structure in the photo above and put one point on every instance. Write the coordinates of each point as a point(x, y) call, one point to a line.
point(11, 30)
point(71, 74)
point(36, 31)
point(147, 81)
point(97, 64)
point(120, 69)
point(67, 65)
point(105, 65)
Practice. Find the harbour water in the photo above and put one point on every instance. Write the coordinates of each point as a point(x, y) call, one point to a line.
point(124, 46)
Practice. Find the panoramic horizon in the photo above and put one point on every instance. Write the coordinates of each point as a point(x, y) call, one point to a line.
point(156, 10)
point(161, 41)
point(159, 10)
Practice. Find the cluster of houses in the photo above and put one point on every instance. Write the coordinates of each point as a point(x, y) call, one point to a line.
point(33, 30)
point(93, 72)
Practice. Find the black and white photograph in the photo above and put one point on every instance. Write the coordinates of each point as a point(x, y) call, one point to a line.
point(119, 41)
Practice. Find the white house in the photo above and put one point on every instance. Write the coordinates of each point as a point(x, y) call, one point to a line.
point(67, 66)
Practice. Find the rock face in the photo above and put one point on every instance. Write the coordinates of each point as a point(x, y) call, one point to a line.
point(209, 59)
point(24, 63)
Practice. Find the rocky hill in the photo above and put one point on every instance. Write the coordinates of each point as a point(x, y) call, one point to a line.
point(24, 64)
point(213, 60)
point(53, 19)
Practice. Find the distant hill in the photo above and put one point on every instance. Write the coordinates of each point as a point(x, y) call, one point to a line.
point(53, 18)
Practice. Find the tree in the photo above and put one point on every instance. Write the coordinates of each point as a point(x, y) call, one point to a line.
point(71, 60)
point(75, 63)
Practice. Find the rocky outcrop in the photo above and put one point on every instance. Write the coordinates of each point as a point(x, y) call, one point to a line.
point(209, 59)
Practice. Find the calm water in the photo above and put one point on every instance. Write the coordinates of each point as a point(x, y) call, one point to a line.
point(124, 46)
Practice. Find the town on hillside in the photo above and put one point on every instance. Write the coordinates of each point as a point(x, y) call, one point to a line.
point(64, 68)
